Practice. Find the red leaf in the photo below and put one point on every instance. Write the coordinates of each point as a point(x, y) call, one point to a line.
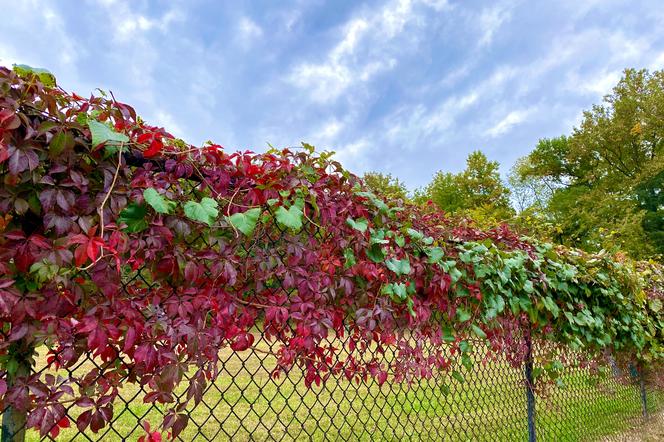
point(80, 255)
point(97, 422)
point(130, 339)
point(155, 148)
point(83, 420)
point(179, 424)
point(55, 430)
point(243, 342)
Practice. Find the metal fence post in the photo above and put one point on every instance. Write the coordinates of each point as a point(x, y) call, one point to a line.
point(644, 396)
point(637, 375)
point(530, 393)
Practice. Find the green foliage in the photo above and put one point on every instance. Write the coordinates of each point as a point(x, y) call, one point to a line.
point(246, 222)
point(398, 266)
point(44, 76)
point(103, 134)
point(204, 211)
point(158, 202)
point(291, 217)
point(134, 217)
point(650, 197)
point(477, 191)
point(385, 185)
point(360, 224)
point(599, 187)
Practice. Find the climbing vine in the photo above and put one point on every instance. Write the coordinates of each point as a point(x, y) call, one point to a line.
point(121, 241)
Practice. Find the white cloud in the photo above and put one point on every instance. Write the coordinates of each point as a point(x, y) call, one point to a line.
point(354, 155)
point(490, 21)
point(438, 5)
point(129, 23)
point(362, 52)
point(52, 48)
point(168, 122)
point(248, 31)
point(411, 124)
point(508, 122)
point(657, 62)
point(598, 83)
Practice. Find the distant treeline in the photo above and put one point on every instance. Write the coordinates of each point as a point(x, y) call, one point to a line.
point(600, 187)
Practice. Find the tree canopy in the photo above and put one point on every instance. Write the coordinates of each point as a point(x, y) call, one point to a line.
point(603, 180)
point(477, 191)
point(385, 185)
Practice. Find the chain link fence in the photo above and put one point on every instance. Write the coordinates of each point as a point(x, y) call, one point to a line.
point(247, 402)
point(491, 400)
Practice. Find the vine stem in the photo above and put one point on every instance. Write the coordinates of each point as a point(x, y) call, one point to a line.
point(100, 210)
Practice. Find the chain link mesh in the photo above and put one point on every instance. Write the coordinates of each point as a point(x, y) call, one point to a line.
point(245, 402)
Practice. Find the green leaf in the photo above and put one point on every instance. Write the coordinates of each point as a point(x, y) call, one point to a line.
point(291, 218)
point(435, 255)
point(349, 257)
point(44, 270)
point(361, 224)
point(11, 366)
point(205, 211)
point(103, 134)
point(455, 274)
point(246, 222)
point(60, 141)
point(551, 306)
point(410, 304)
point(398, 289)
point(528, 286)
point(414, 234)
point(400, 240)
point(45, 76)
point(463, 315)
point(398, 266)
point(375, 253)
point(655, 305)
point(570, 317)
point(158, 202)
point(134, 217)
point(448, 334)
point(445, 389)
point(478, 331)
point(464, 346)
point(458, 376)
point(500, 303)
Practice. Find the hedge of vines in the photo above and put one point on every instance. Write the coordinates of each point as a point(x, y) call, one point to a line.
point(287, 240)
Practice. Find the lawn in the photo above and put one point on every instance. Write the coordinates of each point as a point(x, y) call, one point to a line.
point(246, 403)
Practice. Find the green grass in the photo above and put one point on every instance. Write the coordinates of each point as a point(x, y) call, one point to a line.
point(246, 403)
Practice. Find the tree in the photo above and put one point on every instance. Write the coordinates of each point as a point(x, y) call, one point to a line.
point(650, 195)
point(477, 191)
point(601, 180)
point(385, 185)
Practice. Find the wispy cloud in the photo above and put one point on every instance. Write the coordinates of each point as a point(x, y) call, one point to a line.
point(490, 20)
point(508, 122)
point(248, 31)
point(363, 52)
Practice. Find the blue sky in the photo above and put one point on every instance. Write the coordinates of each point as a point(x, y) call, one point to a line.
point(407, 87)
